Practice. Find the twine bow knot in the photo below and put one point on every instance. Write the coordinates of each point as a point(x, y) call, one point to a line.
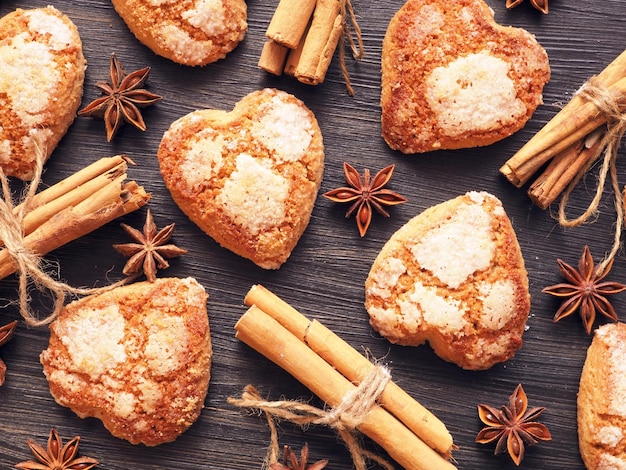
point(344, 419)
point(29, 264)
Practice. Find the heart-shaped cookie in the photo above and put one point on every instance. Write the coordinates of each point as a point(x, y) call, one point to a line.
point(454, 78)
point(193, 32)
point(41, 84)
point(249, 177)
point(453, 276)
point(137, 357)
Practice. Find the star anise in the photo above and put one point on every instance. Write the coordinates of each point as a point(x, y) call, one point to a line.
point(57, 456)
point(290, 461)
point(585, 291)
point(150, 251)
point(6, 332)
point(513, 426)
point(541, 5)
point(366, 193)
point(121, 99)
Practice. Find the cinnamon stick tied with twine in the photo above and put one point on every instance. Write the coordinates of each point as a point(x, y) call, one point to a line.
point(354, 366)
point(322, 362)
point(303, 36)
point(579, 118)
point(64, 212)
point(589, 127)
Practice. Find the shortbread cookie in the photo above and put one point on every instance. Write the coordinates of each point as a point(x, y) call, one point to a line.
point(42, 70)
point(249, 177)
point(137, 357)
point(602, 400)
point(454, 78)
point(453, 276)
point(193, 32)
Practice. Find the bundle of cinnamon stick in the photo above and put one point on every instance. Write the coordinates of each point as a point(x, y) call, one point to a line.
point(332, 370)
point(573, 139)
point(75, 207)
point(302, 38)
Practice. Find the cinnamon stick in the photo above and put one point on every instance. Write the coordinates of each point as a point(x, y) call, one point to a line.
point(68, 195)
point(561, 171)
point(273, 57)
point(100, 167)
point(353, 366)
point(274, 341)
point(575, 121)
point(293, 58)
point(320, 43)
point(289, 22)
point(78, 210)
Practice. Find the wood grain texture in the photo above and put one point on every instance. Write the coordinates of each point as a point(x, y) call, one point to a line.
point(325, 275)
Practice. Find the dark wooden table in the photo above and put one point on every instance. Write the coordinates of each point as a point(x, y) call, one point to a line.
point(325, 275)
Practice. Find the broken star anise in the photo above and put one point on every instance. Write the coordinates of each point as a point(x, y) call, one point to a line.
point(366, 193)
point(121, 99)
point(6, 332)
point(150, 251)
point(513, 426)
point(541, 5)
point(290, 461)
point(57, 456)
point(585, 291)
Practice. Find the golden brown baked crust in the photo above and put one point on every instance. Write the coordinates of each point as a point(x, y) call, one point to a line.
point(249, 177)
point(602, 400)
point(453, 276)
point(137, 357)
point(454, 78)
point(195, 32)
point(41, 85)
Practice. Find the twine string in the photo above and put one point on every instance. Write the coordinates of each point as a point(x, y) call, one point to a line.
point(343, 419)
point(355, 41)
point(609, 104)
point(29, 264)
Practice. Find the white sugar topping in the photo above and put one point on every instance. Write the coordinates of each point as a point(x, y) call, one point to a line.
point(498, 303)
point(609, 435)
point(284, 127)
point(429, 20)
point(473, 93)
point(150, 394)
point(23, 62)
point(94, 339)
point(208, 15)
point(386, 277)
point(254, 195)
point(203, 159)
point(610, 462)
point(123, 403)
point(445, 314)
point(387, 318)
point(424, 304)
point(184, 47)
point(167, 341)
point(458, 247)
point(410, 316)
point(488, 347)
point(60, 35)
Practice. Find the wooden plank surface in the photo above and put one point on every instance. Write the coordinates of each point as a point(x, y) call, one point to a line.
point(325, 275)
